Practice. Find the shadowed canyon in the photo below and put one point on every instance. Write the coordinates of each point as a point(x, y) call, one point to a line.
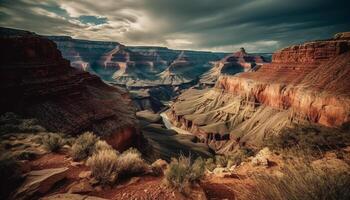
point(110, 111)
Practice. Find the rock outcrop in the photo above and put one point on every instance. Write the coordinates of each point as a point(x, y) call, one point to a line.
point(307, 83)
point(40, 182)
point(37, 82)
point(237, 62)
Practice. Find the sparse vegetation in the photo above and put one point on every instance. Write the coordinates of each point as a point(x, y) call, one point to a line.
point(10, 176)
point(181, 173)
point(301, 181)
point(228, 160)
point(52, 142)
point(107, 164)
point(84, 146)
point(102, 145)
point(130, 163)
point(210, 164)
point(313, 138)
point(103, 165)
point(12, 123)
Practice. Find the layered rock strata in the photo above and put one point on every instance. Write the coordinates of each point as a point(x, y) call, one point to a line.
point(307, 83)
point(37, 82)
point(237, 62)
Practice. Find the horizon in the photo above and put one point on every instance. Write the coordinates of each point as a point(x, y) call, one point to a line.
point(258, 26)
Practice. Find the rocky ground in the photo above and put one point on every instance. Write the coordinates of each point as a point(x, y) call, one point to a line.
point(52, 176)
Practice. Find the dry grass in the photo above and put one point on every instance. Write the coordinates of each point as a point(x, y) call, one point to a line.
point(131, 163)
point(107, 164)
point(84, 146)
point(181, 173)
point(309, 137)
point(102, 145)
point(301, 181)
point(52, 142)
point(103, 165)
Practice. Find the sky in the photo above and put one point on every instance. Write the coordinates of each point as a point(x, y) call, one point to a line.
point(213, 25)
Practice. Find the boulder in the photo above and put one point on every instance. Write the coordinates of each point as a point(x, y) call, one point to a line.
point(84, 174)
point(224, 172)
point(81, 187)
point(261, 158)
point(40, 181)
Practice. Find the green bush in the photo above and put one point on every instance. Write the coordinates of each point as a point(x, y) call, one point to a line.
point(10, 176)
point(52, 142)
point(181, 173)
point(103, 165)
point(84, 146)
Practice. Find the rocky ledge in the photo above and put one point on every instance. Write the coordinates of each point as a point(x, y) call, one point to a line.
point(37, 82)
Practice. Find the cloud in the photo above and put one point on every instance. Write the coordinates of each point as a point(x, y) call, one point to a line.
point(225, 25)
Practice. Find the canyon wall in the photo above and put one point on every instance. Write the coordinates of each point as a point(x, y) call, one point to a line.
point(237, 62)
point(307, 83)
point(37, 82)
point(135, 67)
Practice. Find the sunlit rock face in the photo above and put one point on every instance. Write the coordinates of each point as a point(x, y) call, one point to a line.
point(135, 66)
point(142, 69)
point(304, 84)
point(237, 62)
point(39, 83)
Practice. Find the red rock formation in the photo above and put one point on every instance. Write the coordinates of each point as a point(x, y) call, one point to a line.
point(239, 61)
point(296, 79)
point(37, 82)
point(304, 84)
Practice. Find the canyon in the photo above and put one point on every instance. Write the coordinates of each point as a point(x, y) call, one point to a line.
point(153, 75)
point(304, 84)
point(37, 82)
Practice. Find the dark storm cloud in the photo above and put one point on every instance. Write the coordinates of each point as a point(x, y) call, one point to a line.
point(222, 25)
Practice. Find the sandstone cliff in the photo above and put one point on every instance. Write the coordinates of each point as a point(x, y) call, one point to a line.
point(237, 62)
point(37, 82)
point(307, 83)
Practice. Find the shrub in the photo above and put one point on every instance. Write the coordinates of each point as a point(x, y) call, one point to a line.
point(181, 173)
point(103, 166)
point(311, 137)
point(10, 123)
point(176, 175)
point(10, 176)
point(210, 164)
point(31, 126)
point(301, 181)
point(83, 146)
point(130, 163)
point(101, 145)
point(197, 170)
point(52, 142)
point(238, 156)
point(221, 160)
